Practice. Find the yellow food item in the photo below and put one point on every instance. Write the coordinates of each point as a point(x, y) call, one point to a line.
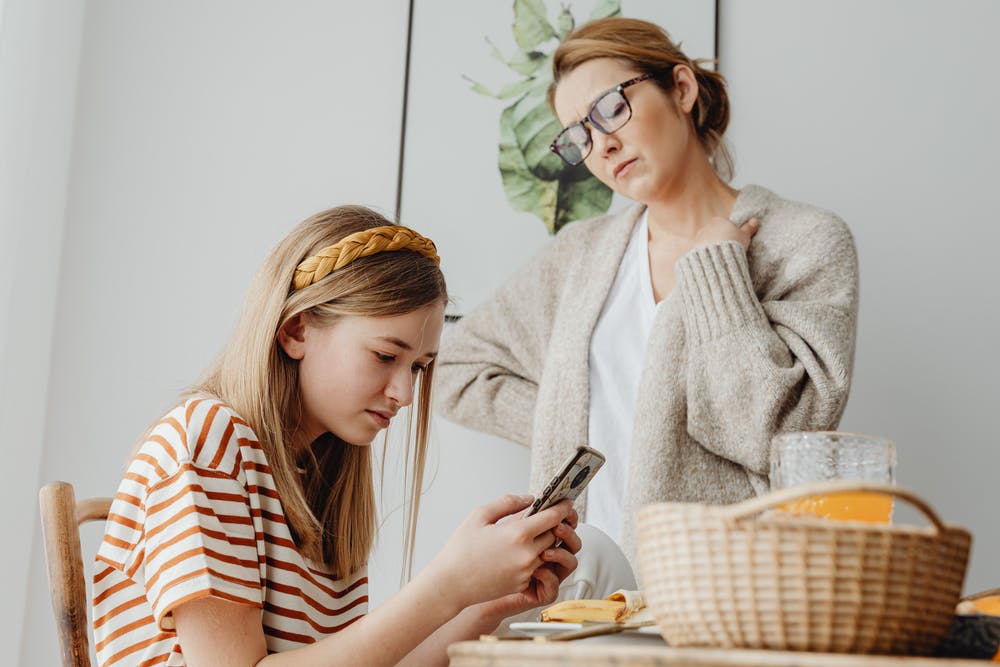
point(858, 506)
point(634, 601)
point(620, 606)
point(578, 611)
point(988, 605)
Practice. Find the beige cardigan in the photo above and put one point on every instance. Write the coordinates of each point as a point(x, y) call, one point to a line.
point(752, 344)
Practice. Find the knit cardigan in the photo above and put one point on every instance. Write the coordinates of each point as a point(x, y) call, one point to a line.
point(750, 344)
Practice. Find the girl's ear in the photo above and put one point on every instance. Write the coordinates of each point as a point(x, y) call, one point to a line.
point(292, 336)
point(685, 87)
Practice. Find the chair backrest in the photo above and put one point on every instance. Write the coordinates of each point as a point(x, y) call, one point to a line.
point(61, 519)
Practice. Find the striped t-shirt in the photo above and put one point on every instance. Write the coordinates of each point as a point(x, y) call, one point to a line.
point(198, 514)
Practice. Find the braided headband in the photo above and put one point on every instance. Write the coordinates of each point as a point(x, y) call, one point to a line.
point(361, 244)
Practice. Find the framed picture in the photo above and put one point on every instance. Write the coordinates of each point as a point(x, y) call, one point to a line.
point(476, 174)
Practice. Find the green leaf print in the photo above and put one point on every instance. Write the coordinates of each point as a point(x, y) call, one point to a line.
point(534, 178)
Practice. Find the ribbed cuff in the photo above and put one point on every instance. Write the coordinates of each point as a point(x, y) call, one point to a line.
point(714, 283)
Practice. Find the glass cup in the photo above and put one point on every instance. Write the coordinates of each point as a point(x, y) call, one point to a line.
point(817, 456)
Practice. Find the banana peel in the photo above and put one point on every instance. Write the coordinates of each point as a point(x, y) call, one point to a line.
point(618, 607)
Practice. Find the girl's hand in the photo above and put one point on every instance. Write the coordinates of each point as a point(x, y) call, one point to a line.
point(562, 559)
point(721, 229)
point(485, 560)
point(560, 562)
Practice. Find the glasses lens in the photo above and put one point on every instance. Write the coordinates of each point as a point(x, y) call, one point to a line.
point(611, 112)
point(573, 144)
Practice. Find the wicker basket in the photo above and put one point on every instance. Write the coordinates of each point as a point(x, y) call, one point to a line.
point(726, 576)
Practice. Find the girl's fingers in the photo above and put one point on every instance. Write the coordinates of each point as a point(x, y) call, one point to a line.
point(548, 519)
point(548, 585)
point(570, 540)
point(564, 561)
point(501, 507)
point(543, 541)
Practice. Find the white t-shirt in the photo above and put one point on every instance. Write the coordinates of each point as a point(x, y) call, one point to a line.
point(617, 350)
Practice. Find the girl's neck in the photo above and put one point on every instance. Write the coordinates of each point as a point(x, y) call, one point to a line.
point(689, 202)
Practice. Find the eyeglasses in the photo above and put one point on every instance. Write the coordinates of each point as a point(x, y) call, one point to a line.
point(608, 114)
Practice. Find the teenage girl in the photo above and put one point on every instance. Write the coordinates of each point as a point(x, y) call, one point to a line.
point(242, 529)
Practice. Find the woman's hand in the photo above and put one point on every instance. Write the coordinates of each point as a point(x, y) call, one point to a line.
point(487, 558)
point(721, 229)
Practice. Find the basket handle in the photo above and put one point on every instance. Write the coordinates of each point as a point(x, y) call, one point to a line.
point(989, 592)
point(770, 500)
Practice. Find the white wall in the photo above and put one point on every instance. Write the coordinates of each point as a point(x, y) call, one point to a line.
point(885, 112)
point(203, 131)
point(39, 45)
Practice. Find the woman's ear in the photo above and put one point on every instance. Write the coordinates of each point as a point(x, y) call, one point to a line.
point(292, 337)
point(685, 87)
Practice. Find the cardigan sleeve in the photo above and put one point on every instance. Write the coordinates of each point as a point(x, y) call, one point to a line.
point(487, 374)
point(781, 362)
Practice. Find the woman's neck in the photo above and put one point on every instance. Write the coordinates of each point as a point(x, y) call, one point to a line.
point(689, 202)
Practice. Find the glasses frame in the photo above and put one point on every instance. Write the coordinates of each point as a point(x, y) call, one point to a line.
point(589, 119)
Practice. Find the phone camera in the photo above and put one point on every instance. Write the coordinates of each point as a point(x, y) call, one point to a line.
point(580, 476)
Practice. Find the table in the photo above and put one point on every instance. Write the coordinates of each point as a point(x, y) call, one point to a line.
point(643, 654)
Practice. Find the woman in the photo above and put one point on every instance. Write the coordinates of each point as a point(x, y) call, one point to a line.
point(241, 531)
point(679, 335)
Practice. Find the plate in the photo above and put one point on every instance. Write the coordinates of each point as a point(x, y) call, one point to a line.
point(539, 629)
point(542, 629)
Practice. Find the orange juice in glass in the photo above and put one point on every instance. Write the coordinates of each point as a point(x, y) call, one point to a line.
point(817, 456)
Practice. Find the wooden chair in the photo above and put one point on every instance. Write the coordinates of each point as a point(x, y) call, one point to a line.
point(62, 516)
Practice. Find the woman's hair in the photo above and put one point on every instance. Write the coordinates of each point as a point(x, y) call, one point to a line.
point(331, 506)
point(649, 49)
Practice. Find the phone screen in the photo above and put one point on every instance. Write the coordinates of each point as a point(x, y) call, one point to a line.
point(571, 479)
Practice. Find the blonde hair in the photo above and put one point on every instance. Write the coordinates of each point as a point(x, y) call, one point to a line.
point(331, 511)
point(647, 47)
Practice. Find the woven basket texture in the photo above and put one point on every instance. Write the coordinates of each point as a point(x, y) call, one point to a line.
point(726, 576)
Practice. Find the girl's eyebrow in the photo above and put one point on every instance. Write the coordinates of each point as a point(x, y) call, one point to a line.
point(395, 341)
point(404, 345)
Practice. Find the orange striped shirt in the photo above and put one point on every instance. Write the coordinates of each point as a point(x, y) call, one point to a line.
point(198, 514)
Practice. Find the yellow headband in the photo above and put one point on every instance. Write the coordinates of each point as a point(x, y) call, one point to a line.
point(361, 244)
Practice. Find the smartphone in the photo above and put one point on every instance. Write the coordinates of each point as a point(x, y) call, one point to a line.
point(571, 479)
